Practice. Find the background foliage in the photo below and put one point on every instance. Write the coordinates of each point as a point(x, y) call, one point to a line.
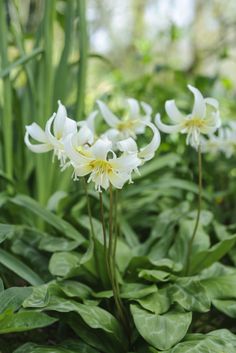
point(54, 297)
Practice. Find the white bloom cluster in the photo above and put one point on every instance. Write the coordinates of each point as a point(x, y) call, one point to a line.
point(107, 159)
point(204, 118)
point(112, 157)
point(224, 141)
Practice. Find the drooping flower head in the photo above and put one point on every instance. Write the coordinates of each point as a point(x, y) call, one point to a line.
point(131, 125)
point(224, 141)
point(204, 118)
point(101, 163)
point(61, 126)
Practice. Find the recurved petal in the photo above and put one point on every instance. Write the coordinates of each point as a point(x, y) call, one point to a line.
point(128, 145)
point(60, 118)
point(101, 148)
point(70, 126)
point(36, 132)
point(147, 152)
point(169, 129)
point(199, 106)
point(84, 135)
point(37, 148)
point(213, 102)
point(118, 179)
point(147, 108)
point(175, 115)
point(125, 163)
point(110, 118)
point(52, 139)
point(134, 108)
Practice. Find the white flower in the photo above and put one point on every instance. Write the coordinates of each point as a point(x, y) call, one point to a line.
point(62, 126)
point(131, 125)
point(204, 118)
point(101, 163)
point(146, 153)
point(224, 141)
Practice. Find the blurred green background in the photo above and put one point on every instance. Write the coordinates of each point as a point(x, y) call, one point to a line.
point(79, 51)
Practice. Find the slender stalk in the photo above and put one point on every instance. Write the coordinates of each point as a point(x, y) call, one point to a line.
point(83, 49)
point(7, 118)
point(190, 245)
point(112, 264)
point(91, 222)
point(104, 233)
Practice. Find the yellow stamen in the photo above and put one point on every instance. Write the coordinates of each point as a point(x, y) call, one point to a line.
point(194, 122)
point(127, 124)
point(102, 167)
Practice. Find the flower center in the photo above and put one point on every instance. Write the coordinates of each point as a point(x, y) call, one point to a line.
point(101, 166)
point(194, 122)
point(127, 124)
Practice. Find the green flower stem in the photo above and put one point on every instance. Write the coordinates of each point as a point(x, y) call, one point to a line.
point(104, 233)
point(112, 262)
point(92, 233)
point(190, 245)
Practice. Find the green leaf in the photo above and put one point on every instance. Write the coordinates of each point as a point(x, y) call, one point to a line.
point(158, 302)
point(69, 347)
point(137, 290)
point(206, 258)
point(190, 294)
point(228, 307)
point(75, 289)
point(154, 275)
point(18, 267)
point(219, 341)
point(49, 217)
point(65, 264)
point(220, 287)
point(6, 230)
point(23, 321)
point(13, 297)
point(53, 244)
point(161, 331)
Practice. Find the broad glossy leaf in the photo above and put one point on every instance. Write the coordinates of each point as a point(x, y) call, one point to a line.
point(220, 287)
point(228, 307)
point(23, 321)
point(13, 297)
point(206, 258)
point(53, 244)
point(137, 290)
point(154, 275)
point(70, 347)
point(158, 302)
point(18, 267)
point(219, 341)
point(190, 294)
point(161, 331)
point(65, 264)
point(6, 230)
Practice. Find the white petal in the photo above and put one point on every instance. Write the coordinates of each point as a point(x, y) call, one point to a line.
point(199, 106)
point(175, 115)
point(36, 132)
point(82, 170)
point(147, 152)
point(147, 108)
point(70, 126)
point(84, 135)
point(125, 163)
point(169, 129)
point(134, 108)
point(112, 134)
point(59, 121)
point(38, 148)
point(128, 145)
point(118, 180)
point(52, 139)
point(110, 118)
point(213, 102)
point(101, 148)
point(70, 144)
